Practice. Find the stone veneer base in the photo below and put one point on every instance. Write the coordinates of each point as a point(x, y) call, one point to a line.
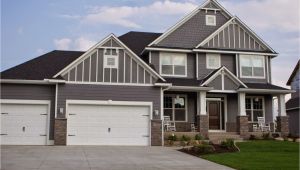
point(283, 125)
point(60, 131)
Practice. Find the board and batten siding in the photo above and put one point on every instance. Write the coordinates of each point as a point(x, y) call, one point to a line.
point(32, 92)
point(91, 68)
point(235, 36)
point(108, 92)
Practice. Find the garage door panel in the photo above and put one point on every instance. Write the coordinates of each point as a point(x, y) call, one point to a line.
point(129, 125)
point(24, 124)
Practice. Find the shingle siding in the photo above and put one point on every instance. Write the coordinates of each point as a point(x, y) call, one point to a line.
point(32, 92)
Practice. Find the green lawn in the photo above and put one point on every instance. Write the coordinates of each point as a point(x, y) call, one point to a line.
point(260, 154)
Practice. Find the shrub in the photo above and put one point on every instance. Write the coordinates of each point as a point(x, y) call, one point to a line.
point(266, 136)
point(199, 137)
point(252, 137)
point(185, 138)
point(172, 137)
point(203, 149)
point(228, 143)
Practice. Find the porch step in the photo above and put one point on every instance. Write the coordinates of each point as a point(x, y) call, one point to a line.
point(218, 137)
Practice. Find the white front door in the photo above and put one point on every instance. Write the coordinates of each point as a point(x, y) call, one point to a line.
point(24, 124)
point(108, 125)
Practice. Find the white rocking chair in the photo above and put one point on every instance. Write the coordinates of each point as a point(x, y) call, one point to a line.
point(168, 125)
point(262, 125)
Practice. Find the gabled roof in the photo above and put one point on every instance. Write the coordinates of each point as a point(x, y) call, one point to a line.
point(293, 73)
point(103, 42)
point(246, 29)
point(137, 41)
point(187, 17)
point(42, 67)
point(211, 76)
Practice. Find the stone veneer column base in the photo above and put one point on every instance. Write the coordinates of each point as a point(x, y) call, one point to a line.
point(202, 122)
point(283, 125)
point(242, 125)
point(156, 133)
point(60, 131)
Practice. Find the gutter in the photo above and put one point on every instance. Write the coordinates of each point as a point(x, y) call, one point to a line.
point(22, 81)
point(265, 91)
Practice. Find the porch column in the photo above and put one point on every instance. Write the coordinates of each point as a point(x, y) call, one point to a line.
point(202, 117)
point(242, 118)
point(282, 118)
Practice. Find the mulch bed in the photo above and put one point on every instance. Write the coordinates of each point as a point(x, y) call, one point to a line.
point(218, 149)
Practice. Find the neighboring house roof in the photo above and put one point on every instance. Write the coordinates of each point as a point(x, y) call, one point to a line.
point(293, 74)
point(293, 103)
point(137, 41)
point(42, 67)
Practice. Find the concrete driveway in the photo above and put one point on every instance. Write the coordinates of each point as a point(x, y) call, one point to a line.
point(100, 157)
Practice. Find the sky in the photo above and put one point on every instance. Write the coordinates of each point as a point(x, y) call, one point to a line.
point(34, 27)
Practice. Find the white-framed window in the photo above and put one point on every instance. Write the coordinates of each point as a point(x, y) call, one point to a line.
point(255, 107)
point(210, 20)
point(175, 106)
point(173, 64)
point(213, 61)
point(252, 66)
point(111, 58)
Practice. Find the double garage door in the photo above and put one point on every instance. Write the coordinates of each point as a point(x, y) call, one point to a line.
point(24, 123)
point(102, 124)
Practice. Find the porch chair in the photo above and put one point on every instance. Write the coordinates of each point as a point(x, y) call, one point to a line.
point(262, 125)
point(168, 125)
point(193, 127)
point(255, 127)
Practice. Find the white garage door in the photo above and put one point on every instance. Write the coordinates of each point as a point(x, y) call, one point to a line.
point(24, 124)
point(108, 125)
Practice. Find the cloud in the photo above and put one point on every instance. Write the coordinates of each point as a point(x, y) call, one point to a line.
point(127, 16)
point(78, 44)
point(68, 16)
point(267, 14)
point(63, 43)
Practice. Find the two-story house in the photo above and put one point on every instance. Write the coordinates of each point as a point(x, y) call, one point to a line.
point(293, 104)
point(209, 70)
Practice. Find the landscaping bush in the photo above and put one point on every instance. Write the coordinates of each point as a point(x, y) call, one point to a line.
point(185, 138)
point(172, 137)
point(252, 137)
point(228, 143)
point(203, 149)
point(199, 137)
point(266, 136)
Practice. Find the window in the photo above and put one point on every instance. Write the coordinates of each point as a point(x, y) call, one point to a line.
point(252, 66)
point(173, 64)
point(254, 108)
point(213, 61)
point(211, 20)
point(175, 107)
point(111, 58)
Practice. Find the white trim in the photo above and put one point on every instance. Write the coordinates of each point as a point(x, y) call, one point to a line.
point(234, 52)
point(242, 104)
point(97, 62)
point(164, 54)
point(124, 67)
point(173, 96)
point(265, 91)
point(197, 65)
point(121, 44)
point(207, 17)
point(163, 84)
point(190, 88)
point(252, 109)
point(35, 102)
point(251, 58)
point(237, 65)
point(281, 105)
point(168, 49)
point(267, 68)
point(18, 81)
point(150, 57)
point(55, 104)
point(293, 108)
point(222, 91)
point(186, 18)
point(115, 57)
point(213, 55)
point(90, 65)
point(108, 83)
point(113, 103)
point(202, 99)
point(222, 80)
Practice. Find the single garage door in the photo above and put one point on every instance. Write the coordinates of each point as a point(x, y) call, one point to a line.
point(24, 124)
point(108, 125)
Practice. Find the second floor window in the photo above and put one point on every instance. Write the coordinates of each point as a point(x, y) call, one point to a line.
point(173, 64)
point(252, 66)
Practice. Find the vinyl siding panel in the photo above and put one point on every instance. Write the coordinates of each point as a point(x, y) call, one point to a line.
point(106, 92)
point(216, 83)
point(93, 67)
point(229, 84)
point(32, 92)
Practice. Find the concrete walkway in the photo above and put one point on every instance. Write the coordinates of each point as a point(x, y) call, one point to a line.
point(100, 158)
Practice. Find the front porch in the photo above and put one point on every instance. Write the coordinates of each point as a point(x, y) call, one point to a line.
point(210, 113)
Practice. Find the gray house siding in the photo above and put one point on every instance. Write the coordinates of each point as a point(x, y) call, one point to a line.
point(108, 92)
point(192, 32)
point(227, 60)
point(293, 122)
point(216, 83)
point(229, 84)
point(32, 92)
